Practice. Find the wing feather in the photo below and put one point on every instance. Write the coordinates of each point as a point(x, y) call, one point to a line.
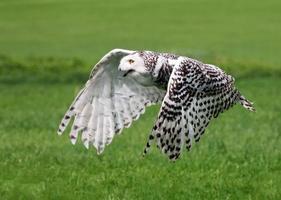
point(118, 116)
point(196, 93)
point(92, 125)
point(108, 103)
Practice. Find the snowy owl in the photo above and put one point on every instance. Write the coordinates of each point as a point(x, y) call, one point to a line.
point(124, 82)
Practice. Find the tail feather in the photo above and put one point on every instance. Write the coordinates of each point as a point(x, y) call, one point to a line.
point(246, 103)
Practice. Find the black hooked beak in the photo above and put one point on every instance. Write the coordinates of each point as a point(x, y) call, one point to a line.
point(127, 72)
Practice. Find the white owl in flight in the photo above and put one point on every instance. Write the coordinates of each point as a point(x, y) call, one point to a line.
point(124, 82)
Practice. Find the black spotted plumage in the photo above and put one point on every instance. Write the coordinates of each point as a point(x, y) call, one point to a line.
point(196, 93)
point(192, 94)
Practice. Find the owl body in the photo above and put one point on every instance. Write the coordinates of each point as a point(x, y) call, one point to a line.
point(124, 82)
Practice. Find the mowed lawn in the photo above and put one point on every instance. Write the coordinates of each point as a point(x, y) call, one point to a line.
point(46, 50)
point(237, 158)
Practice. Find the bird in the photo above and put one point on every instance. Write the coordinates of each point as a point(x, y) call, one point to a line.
point(124, 82)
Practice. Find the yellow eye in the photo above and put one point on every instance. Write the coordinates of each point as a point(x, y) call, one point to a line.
point(131, 61)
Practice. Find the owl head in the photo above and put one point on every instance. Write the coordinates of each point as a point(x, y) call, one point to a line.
point(133, 65)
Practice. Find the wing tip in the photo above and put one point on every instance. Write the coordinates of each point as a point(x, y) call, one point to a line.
point(100, 150)
point(247, 104)
point(73, 139)
point(59, 131)
point(86, 144)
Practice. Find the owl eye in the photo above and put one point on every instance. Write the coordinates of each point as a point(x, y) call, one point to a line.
point(131, 61)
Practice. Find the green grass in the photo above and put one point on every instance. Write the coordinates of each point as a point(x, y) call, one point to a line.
point(238, 157)
point(47, 48)
point(241, 30)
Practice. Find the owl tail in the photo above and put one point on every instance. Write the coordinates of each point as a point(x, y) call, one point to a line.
point(246, 103)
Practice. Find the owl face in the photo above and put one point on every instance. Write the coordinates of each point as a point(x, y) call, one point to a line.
point(133, 64)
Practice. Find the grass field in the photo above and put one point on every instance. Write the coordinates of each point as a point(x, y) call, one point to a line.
point(238, 158)
point(46, 48)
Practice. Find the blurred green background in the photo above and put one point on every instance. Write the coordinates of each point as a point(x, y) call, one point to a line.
point(47, 49)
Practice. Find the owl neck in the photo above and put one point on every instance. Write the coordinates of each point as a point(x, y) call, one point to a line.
point(160, 65)
point(163, 70)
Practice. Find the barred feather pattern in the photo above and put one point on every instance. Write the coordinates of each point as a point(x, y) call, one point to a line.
point(196, 93)
point(191, 93)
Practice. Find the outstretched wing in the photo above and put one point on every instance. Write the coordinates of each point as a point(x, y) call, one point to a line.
point(108, 103)
point(196, 93)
